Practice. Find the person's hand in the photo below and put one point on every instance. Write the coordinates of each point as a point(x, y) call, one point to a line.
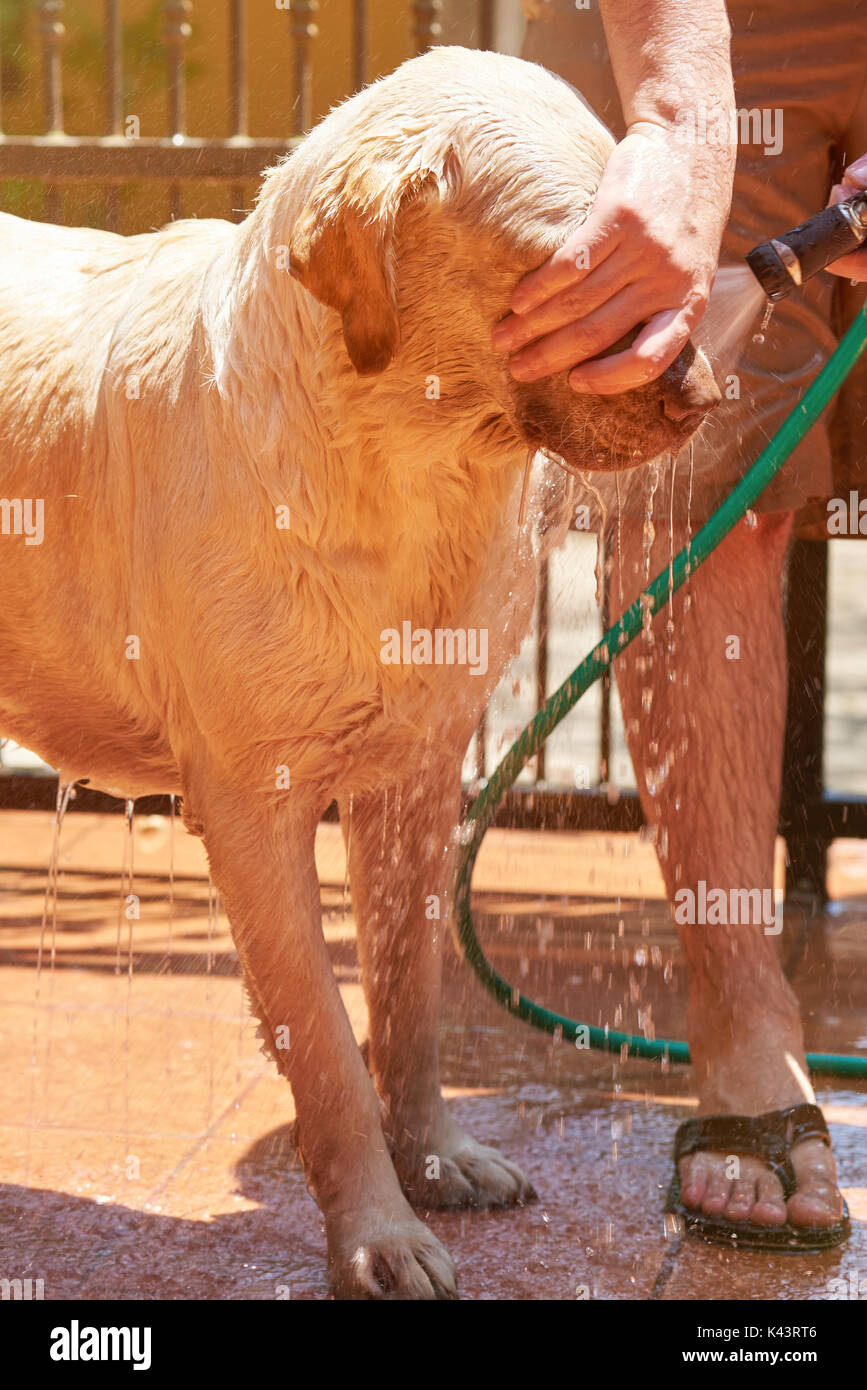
point(645, 255)
point(853, 266)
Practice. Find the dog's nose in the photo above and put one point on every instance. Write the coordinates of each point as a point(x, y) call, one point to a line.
point(688, 388)
point(689, 407)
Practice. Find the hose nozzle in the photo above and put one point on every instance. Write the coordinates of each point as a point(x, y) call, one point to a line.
point(786, 262)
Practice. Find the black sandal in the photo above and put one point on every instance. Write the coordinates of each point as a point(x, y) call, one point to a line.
point(771, 1138)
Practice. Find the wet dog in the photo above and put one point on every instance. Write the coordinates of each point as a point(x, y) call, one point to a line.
point(259, 450)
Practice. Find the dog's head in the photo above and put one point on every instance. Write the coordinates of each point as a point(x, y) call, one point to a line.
point(417, 207)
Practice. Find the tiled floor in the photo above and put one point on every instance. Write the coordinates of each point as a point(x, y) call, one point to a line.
point(145, 1143)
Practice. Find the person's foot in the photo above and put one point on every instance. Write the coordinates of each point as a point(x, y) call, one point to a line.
point(756, 1196)
point(759, 1075)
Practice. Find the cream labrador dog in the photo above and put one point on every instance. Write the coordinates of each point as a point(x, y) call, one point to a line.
point(278, 470)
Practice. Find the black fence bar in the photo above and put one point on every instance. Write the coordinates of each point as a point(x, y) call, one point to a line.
point(239, 92)
point(177, 32)
point(359, 44)
point(304, 31)
point(239, 95)
point(113, 99)
point(425, 25)
point(52, 33)
point(803, 819)
point(113, 69)
point(485, 23)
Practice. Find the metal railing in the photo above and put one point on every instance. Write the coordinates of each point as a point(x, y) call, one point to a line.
point(55, 156)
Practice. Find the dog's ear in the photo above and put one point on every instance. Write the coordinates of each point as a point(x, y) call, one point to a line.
point(342, 250)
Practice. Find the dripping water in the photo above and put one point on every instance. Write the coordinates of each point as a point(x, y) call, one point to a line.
point(65, 792)
point(171, 875)
point(171, 921)
point(759, 337)
point(522, 509)
point(126, 888)
point(348, 849)
point(619, 538)
point(395, 839)
point(384, 825)
point(598, 568)
point(687, 598)
point(670, 624)
point(126, 891)
point(213, 920)
point(648, 534)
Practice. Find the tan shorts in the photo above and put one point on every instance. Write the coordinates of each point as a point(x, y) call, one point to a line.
point(808, 62)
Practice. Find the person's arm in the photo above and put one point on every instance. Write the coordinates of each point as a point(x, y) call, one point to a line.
point(648, 249)
point(854, 266)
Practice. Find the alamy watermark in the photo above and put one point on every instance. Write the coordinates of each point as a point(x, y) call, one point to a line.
point(700, 125)
point(847, 516)
point(729, 907)
point(23, 516)
point(77, 1343)
point(442, 646)
point(21, 1290)
point(848, 1287)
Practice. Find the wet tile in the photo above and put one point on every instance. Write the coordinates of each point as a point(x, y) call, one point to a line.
point(147, 1144)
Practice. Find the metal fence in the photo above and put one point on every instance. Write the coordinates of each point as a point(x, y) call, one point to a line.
point(54, 159)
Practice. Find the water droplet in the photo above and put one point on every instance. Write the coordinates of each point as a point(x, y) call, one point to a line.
point(766, 318)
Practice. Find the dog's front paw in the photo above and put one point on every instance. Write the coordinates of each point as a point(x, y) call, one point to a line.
point(460, 1172)
point(397, 1260)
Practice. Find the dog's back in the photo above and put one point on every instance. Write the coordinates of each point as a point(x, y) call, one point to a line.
point(87, 319)
point(63, 296)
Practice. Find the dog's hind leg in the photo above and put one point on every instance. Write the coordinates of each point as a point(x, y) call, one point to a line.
point(263, 864)
point(401, 866)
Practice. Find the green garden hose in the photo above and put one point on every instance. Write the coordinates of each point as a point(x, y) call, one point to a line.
point(618, 636)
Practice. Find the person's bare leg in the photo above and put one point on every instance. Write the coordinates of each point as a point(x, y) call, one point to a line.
point(708, 738)
point(401, 855)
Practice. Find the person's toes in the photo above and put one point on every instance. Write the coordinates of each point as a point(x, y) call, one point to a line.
point(757, 1195)
point(770, 1204)
point(716, 1194)
point(819, 1205)
point(817, 1202)
point(742, 1199)
point(693, 1183)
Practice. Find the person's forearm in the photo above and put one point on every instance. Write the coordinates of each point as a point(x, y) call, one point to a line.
point(669, 56)
point(642, 261)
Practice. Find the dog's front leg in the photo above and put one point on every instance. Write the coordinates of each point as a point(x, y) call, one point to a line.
point(263, 864)
point(401, 855)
